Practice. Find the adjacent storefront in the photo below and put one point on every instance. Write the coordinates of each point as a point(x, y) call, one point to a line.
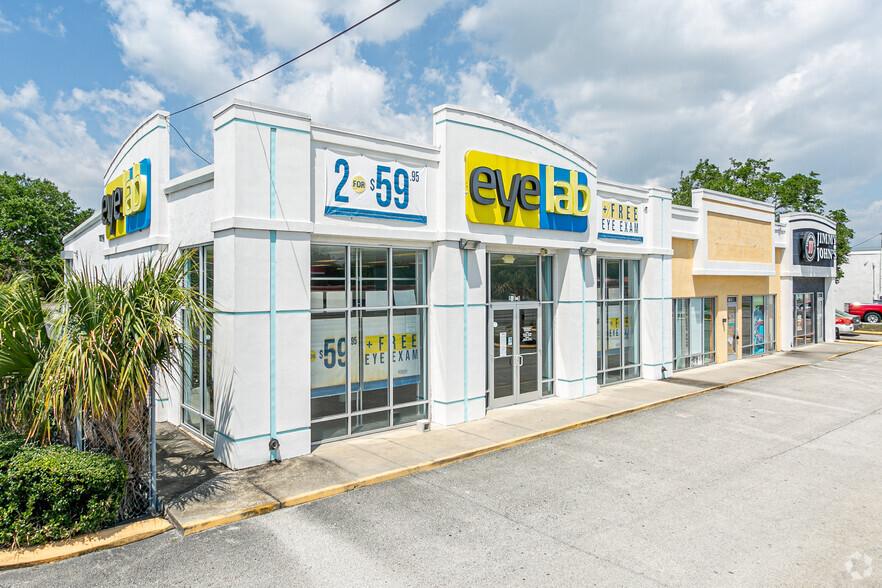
point(809, 273)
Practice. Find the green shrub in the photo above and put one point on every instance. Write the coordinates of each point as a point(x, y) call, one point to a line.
point(49, 493)
point(10, 443)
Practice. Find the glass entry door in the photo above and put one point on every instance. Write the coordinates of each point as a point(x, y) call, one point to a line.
point(731, 328)
point(515, 350)
point(803, 319)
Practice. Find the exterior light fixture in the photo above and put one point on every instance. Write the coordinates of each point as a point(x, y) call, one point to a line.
point(543, 252)
point(468, 244)
point(586, 251)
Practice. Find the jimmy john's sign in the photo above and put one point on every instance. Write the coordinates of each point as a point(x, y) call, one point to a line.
point(812, 247)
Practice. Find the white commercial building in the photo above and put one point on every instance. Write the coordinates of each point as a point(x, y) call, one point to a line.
point(363, 282)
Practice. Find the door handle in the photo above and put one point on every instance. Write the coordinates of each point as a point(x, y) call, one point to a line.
point(520, 360)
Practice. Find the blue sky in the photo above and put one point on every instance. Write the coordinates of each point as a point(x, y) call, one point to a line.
point(644, 88)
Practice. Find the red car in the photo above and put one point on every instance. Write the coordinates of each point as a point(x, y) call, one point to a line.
point(869, 313)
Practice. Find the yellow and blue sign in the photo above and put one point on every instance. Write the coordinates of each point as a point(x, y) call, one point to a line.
point(621, 221)
point(510, 192)
point(125, 207)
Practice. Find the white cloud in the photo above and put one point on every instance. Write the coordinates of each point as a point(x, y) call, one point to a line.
point(48, 22)
point(648, 88)
point(6, 26)
point(56, 146)
point(186, 52)
point(120, 109)
point(24, 97)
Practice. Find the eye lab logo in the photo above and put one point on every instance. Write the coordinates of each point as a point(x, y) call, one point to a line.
point(511, 192)
point(125, 207)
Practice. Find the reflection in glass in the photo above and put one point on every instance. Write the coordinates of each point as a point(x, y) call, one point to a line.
point(370, 271)
point(547, 283)
point(328, 360)
point(328, 276)
point(613, 287)
point(528, 338)
point(503, 346)
point(408, 328)
point(371, 338)
point(514, 277)
point(408, 277)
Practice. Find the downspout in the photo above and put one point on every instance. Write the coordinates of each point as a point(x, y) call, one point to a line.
point(274, 442)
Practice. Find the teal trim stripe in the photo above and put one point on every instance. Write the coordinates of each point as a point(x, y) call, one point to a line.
point(259, 124)
point(272, 301)
point(664, 298)
point(465, 336)
point(458, 401)
point(578, 379)
point(475, 305)
point(259, 312)
point(577, 302)
point(273, 194)
point(124, 155)
point(255, 437)
point(519, 139)
point(584, 276)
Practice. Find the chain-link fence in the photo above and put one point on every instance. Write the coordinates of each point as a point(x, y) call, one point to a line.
point(132, 439)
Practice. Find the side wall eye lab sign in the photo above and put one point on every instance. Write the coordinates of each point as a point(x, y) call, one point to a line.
point(125, 206)
point(358, 186)
point(620, 221)
point(510, 192)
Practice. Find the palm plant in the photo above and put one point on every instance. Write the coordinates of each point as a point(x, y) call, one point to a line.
point(112, 338)
point(24, 345)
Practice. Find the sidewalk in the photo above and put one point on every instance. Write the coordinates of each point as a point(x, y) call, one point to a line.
point(338, 467)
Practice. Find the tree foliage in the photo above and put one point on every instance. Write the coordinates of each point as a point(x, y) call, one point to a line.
point(34, 216)
point(755, 179)
point(844, 235)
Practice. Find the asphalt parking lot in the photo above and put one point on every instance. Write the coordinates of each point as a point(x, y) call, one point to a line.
point(774, 482)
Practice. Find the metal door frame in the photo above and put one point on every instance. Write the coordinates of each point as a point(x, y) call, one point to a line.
point(517, 396)
point(732, 302)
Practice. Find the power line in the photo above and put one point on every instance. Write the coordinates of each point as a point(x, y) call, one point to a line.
point(185, 141)
point(292, 60)
point(867, 241)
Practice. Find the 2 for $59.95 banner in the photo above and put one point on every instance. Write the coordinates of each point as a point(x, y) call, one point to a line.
point(358, 186)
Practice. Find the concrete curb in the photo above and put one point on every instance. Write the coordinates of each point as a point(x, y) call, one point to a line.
point(82, 544)
point(305, 497)
point(867, 343)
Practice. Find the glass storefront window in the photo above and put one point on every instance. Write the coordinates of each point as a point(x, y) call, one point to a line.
point(694, 343)
point(386, 384)
point(197, 395)
point(328, 276)
point(515, 277)
point(757, 325)
point(618, 320)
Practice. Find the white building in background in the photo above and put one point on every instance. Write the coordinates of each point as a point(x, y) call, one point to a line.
point(861, 279)
point(365, 282)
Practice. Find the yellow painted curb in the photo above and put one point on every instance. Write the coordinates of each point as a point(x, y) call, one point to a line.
point(225, 519)
point(82, 544)
point(867, 343)
point(457, 457)
point(336, 489)
point(868, 332)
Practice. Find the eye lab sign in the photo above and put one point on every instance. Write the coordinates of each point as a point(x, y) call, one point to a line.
point(620, 221)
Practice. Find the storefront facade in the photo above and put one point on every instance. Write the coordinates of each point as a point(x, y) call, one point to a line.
point(363, 283)
point(726, 268)
point(807, 275)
